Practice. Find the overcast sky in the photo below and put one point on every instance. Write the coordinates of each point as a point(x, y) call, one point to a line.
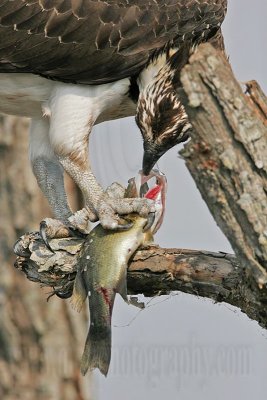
point(186, 346)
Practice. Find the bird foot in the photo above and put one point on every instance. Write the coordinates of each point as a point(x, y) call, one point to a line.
point(80, 221)
point(51, 228)
point(110, 208)
point(113, 205)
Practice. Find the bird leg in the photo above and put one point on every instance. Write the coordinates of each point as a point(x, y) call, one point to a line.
point(105, 206)
point(49, 176)
point(73, 110)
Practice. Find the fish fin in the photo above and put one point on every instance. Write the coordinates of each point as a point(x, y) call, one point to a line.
point(122, 289)
point(97, 350)
point(79, 293)
point(148, 239)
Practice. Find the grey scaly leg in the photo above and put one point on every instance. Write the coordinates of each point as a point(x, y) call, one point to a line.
point(49, 176)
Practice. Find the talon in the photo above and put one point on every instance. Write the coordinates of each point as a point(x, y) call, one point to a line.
point(60, 294)
point(150, 221)
point(63, 295)
point(125, 227)
point(143, 189)
point(76, 233)
point(43, 227)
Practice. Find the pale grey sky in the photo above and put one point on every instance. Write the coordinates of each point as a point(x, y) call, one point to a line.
point(186, 346)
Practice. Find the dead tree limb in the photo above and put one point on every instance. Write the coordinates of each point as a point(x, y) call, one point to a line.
point(152, 271)
point(227, 153)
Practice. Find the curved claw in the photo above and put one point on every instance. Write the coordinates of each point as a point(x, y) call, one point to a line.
point(75, 232)
point(150, 221)
point(43, 227)
point(63, 295)
point(143, 189)
point(125, 227)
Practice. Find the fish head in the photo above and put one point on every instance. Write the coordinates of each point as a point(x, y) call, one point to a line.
point(153, 187)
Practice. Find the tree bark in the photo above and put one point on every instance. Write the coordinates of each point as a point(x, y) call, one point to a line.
point(40, 342)
point(227, 153)
point(152, 271)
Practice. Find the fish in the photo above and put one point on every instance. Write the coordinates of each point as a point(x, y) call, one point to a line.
point(103, 268)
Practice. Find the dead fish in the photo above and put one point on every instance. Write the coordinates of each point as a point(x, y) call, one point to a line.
point(102, 273)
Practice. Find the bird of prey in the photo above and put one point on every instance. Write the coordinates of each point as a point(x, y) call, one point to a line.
point(70, 64)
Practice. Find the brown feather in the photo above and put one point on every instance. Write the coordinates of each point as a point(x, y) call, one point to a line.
point(93, 41)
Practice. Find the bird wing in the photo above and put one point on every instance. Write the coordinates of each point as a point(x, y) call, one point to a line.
point(94, 41)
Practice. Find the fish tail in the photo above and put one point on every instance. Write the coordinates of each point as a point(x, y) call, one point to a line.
point(97, 351)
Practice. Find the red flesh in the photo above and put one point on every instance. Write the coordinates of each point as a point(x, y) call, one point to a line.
point(153, 192)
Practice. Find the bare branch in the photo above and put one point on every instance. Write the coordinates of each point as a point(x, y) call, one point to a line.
point(153, 271)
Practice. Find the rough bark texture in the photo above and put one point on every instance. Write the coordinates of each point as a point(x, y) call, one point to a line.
point(40, 342)
point(227, 154)
point(152, 271)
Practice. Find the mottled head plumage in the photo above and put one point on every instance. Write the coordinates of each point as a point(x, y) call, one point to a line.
point(160, 115)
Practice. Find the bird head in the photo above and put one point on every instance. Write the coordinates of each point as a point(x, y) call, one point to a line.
point(163, 124)
point(160, 115)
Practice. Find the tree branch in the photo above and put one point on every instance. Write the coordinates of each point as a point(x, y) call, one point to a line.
point(152, 271)
point(227, 153)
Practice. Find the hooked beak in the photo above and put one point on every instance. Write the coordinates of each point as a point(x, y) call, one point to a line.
point(149, 160)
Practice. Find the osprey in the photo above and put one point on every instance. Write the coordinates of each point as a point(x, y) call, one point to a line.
point(70, 64)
